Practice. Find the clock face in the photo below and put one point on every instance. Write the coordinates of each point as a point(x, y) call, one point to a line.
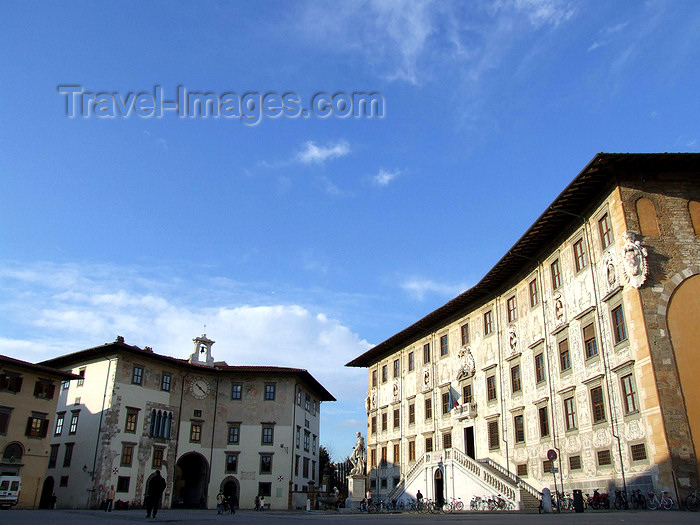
point(200, 388)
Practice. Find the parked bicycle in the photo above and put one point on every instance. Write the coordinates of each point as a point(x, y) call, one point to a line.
point(692, 501)
point(453, 505)
point(639, 501)
point(621, 499)
point(655, 503)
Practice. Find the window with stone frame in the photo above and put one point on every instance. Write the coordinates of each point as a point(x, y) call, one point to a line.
point(307, 440)
point(270, 391)
point(53, 456)
point(488, 323)
point(639, 452)
point(515, 382)
point(604, 457)
point(540, 374)
point(534, 297)
point(137, 375)
point(580, 259)
point(165, 381)
point(411, 413)
point(265, 489)
point(237, 392)
point(68, 454)
point(37, 425)
point(373, 457)
point(397, 453)
point(383, 460)
point(123, 484)
point(385, 373)
point(447, 440)
point(132, 415)
point(618, 322)
point(397, 416)
point(494, 439)
point(522, 470)
point(445, 403)
point(564, 356)
point(411, 362)
point(519, 428)
point(467, 394)
point(397, 371)
point(547, 466)
point(268, 434)
point(373, 425)
point(266, 464)
point(5, 414)
point(544, 421)
point(491, 388)
point(590, 344)
point(629, 396)
point(306, 468)
point(127, 454)
point(59, 423)
point(10, 382)
point(195, 432)
point(232, 462)
point(570, 413)
point(605, 231)
point(384, 422)
point(374, 381)
point(444, 347)
point(44, 389)
point(412, 450)
point(81, 377)
point(575, 462)
point(429, 444)
point(428, 409)
point(426, 353)
point(597, 404)
point(63, 481)
point(465, 334)
point(157, 461)
point(512, 309)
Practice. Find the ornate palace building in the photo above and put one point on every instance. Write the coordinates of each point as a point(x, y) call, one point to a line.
point(574, 360)
point(207, 426)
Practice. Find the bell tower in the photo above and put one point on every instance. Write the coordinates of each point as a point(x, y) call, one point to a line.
point(202, 351)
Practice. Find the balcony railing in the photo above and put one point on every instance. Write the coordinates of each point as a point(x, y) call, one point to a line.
point(464, 411)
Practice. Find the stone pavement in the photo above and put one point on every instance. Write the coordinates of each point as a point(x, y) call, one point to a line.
point(86, 517)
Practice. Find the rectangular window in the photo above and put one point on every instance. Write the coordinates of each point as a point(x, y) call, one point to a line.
point(522, 470)
point(373, 457)
point(307, 440)
point(445, 403)
point(68, 454)
point(447, 440)
point(231, 462)
point(268, 435)
point(589, 341)
point(385, 373)
point(494, 442)
point(5, 413)
point(488, 323)
point(512, 309)
point(59, 424)
point(382, 483)
point(564, 357)
point(373, 424)
point(74, 422)
point(556, 274)
point(396, 368)
point(426, 353)
point(53, 456)
point(299, 394)
point(547, 466)
point(165, 381)
point(534, 299)
point(137, 376)
point(265, 489)
point(597, 405)
point(313, 444)
point(131, 419)
point(411, 413)
point(428, 444)
point(384, 422)
point(519, 426)
point(604, 457)
point(37, 425)
point(397, 453)
point(157, 461)
point(443, 345)
point(44, 389)
point(465, 334)
point(266, 464)
point(374, 381)
point(467, 394)
point(580, 255)
point(574, 462)
point(127, 455)
point(65, 385)
point(605, 231)
point(639, 452)
point(81, 378)
point(307, 403)
point(63, 481)
point(428, 409)
point(412, 450)
point(544, 422)
point(539, 368)
point(397, 420)
point(411, 362)
point(570, 413)
point(234, 433)
point(123, 483)
point(236, 391)
point(298, 437)
point(628, 394)
point(383, 460)
point(515, 382)
point(270, 392)
point(195, 432)
point(619, 330)
point(491, 388)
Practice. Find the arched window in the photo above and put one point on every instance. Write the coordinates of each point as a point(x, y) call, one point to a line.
point(13, 453)
point(161, 424)
point(694, 209)
point(646, 213)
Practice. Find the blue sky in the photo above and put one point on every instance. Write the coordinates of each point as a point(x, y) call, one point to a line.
point(304, 241)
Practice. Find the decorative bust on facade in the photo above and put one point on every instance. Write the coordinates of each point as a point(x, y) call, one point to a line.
point(634, 260)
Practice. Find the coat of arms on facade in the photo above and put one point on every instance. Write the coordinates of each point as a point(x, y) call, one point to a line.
point(634, 260)
point(513, 339)
point(609, 271)
point(467, 367)
point(559, 310)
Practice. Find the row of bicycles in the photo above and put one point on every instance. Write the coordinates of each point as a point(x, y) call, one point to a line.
point(600, 500)
point(495, 502)
point(425, 506)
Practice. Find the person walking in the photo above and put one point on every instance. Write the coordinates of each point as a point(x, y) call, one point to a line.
point(155, 491)
point(262, 502)
point(220, 498)
point(233, 502)
point(110, 499)
point(257, 502)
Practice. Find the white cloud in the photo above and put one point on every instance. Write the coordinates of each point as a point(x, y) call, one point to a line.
point(312, 153)
point(418, 288)
point(384, 177)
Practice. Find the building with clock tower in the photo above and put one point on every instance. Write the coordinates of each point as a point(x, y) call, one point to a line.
point(207, 426)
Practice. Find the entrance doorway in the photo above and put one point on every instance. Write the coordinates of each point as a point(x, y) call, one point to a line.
point(190, 486)
point(469, 442)
point(439, 488)
point(46, 493)
point(230, 486)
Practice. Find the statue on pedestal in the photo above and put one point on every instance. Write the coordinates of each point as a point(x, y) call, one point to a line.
point(358, 457)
